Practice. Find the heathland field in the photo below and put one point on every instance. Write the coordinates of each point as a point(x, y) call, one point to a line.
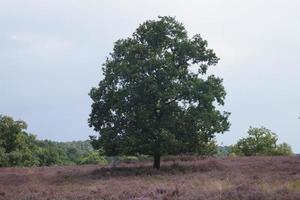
point(251, 178)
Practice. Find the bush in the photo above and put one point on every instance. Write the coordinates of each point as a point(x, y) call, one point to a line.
point(93, 158)
point(19, 158)
point(260, 141)
point(48, 156)
point(283, 150)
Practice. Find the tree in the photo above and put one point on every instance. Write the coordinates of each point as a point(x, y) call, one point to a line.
point(260, 141)
point(155, 97)
point(9, 131)
point(17, 147)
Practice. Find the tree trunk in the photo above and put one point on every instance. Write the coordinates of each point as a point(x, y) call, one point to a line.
point(156, 162)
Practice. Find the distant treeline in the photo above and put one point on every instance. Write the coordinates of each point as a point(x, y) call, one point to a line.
point(33, 152)
point(19, 148)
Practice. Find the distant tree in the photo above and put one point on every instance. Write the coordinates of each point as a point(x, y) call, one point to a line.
point(260, 141)
point(155, 98)
point(283, 149)
point(9, 131)
point(18, 148)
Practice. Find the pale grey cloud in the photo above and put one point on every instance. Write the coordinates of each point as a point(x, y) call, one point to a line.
point(41, 42)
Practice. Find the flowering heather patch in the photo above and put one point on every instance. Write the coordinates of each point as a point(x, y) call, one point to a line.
point(184, 178)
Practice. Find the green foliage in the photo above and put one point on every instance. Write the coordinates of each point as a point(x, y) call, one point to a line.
point(260, 141)
point(18, 148)
point(3, 157)
point(283, 149)
point(9, 131)
point(49, 156)
point(155, 98)
point(208, 148)
point(66, 152)
point(92, 158)
point(20, 158)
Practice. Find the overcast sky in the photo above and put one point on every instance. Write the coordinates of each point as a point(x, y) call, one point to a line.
point(51, 53)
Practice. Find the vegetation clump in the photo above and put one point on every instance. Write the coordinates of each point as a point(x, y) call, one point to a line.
point(155, 98)
point(261, 141)
point(19, 148)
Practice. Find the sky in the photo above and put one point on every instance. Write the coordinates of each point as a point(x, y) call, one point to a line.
point(51, 52)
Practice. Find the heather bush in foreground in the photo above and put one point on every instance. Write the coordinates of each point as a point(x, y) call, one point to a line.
point(185, 178)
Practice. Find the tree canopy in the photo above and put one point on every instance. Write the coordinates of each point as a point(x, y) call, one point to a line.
point(155, 97)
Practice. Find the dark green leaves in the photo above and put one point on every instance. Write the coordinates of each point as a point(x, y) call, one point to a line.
point(154, 97)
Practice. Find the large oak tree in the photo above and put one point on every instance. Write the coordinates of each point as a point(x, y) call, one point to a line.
point(155, 97)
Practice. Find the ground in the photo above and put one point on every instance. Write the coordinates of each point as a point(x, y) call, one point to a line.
point(184, 178)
